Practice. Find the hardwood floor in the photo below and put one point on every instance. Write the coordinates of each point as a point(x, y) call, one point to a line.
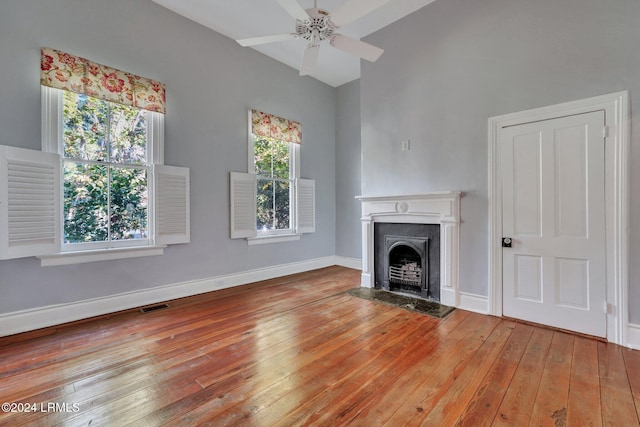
point(299, 351)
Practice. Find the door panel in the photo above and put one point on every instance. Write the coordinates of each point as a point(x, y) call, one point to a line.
point(528, 278)
point(570, 145)
point(573, 276)
point(553, 209)
point(526, 179)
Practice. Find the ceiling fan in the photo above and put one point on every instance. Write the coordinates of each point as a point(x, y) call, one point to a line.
point(316, 25)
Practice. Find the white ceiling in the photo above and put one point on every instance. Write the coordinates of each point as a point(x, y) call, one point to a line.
point(251, 18)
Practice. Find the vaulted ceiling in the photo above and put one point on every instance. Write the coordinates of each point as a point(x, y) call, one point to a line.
point(251, 18)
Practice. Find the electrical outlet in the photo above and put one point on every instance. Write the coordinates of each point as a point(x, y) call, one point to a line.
point(406, 145)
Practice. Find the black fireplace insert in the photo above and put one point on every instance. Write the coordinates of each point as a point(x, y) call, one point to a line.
point(407, 258)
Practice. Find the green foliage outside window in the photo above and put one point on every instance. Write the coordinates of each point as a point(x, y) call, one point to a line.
point(272, 166)
point(105, 171)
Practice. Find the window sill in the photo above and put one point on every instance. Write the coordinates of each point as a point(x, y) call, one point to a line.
point(262, 240)
point(81, 257)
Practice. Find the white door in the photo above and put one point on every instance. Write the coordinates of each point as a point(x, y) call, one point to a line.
point(553, 211)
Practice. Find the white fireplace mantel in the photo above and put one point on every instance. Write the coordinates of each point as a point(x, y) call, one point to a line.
point(441, 208)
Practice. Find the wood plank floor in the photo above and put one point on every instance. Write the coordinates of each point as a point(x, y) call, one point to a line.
point(300, 351)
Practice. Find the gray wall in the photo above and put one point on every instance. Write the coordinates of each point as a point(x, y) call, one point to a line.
point(211, 82)
point(450, 66)
point(348, 165)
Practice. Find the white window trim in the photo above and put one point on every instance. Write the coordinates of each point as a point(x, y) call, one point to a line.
point(84, 256)
point(52, 140)
point(276, 236)
point(272, 238)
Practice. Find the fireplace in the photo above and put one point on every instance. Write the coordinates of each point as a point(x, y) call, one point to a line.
point(407, 258)
point(419, 236)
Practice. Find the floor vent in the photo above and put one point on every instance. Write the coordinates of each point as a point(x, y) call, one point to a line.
point(154, 308)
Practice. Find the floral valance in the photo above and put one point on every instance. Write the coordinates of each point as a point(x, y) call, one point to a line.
point(268, 125)
point(75, 74)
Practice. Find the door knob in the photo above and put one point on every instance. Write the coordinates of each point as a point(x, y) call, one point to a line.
point(506, 242)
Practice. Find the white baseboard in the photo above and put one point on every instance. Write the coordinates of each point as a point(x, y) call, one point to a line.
point(473, 302)
point(41, 317)
point(32, 319)
point(633, 336)
point(354, 263)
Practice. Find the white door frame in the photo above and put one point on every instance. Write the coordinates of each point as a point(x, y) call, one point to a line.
point(617, 127)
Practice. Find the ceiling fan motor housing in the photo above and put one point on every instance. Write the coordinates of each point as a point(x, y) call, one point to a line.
point(317, 28)
point(316, 25)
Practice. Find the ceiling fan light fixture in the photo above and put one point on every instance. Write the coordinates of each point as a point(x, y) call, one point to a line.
point(316, 25)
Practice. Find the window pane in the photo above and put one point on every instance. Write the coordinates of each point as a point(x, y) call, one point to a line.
point(128, 134)
point(85, 127)
point(264, 214)
point(271, 158)
point(128, 204)
point(282, 196)
point(280, 155)
point(262, 157)
point(85, 203)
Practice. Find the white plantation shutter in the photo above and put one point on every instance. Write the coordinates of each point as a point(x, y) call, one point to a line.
point(30, 222)
point(243, 205)
point(172, 205)
point(306, 201)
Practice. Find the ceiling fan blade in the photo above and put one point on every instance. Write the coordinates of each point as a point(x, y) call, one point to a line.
point(253, 41)
point(294, 9)
point(309, 59)
point(354, 9)
point(356, 47)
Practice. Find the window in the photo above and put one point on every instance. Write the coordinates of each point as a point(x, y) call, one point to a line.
point(271, 202)
point(98, 189)
point(274, 147)
point(274, 165)
point(105, 173)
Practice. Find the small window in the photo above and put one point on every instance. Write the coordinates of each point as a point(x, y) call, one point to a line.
point(274, 147)
point(271, 203)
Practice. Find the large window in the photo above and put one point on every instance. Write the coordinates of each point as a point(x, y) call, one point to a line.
point(273, 166)
point(106, 172)
point(98, 189)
